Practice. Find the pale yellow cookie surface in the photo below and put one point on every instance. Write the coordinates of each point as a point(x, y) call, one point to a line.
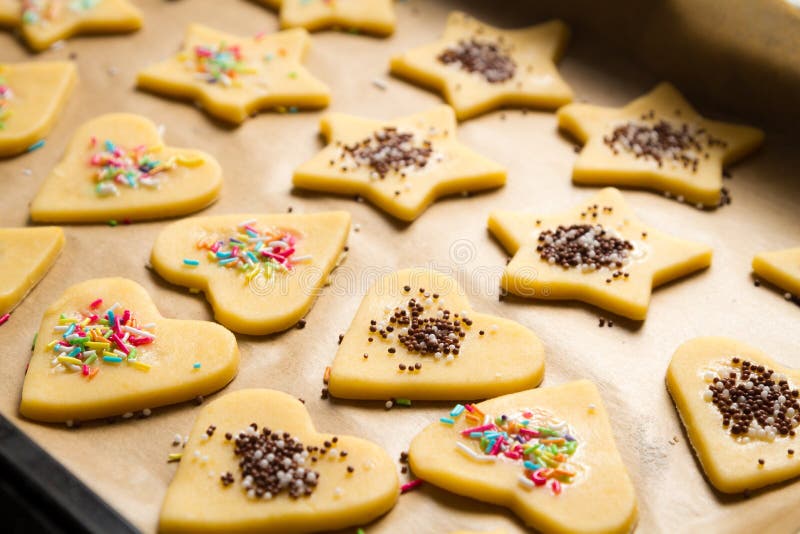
point(10, 13)
point(689, 150)
point(780, 267)
point(32, 96)
point(182, 360)
point(495, 355)
point(732, 463)
point(597, 497)
point(654, 259)
point(431, 162)
point(533, 81)
point(253, 295)
point(118, 167)
point(233, 77)
point(340, 497)
point(26, 254)
point(375, 17)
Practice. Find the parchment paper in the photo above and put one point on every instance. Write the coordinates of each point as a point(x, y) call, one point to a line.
point(126, 462)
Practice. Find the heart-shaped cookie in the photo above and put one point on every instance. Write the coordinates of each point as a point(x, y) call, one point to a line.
point(255, 457)
point(261, 273)
point(117, 167)
point(740, 409)
point(26, 254)
point(548, 454)
point(32, 96)
point(103, 349)
point(415, 336)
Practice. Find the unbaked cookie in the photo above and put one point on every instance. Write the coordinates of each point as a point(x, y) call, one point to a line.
point(26, 254)
point(479, 68)
point(256, 456)
point(740, 409)
point(103, 349)
point(415, 336)
point(401, 165)
point(782, 268)
point(598, 252)
point(32, 96)
point(659, 142)
point(118, 167)
point(233, 77)
point(548, 454)
point(261, 273)
point(375, 17)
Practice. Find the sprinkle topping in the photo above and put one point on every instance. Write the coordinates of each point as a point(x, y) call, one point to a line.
point(589, 246)
point(486, 58)
point(120, 167)
point(6, 95)
point(221, 64)
point(42, 11)
point(388, 150)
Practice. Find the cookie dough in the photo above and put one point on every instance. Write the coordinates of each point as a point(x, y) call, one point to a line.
point(261, 273)
point(425, 162)
point(234, 77)
point(548, 454)
point(415, 336)
point(479, 68)
point(780, 267)
point(10, 13)
point(341, 481)
point(103, 349)
point(719, 386)
point(43, 22)
point(375, 17)
point(118, 167)
point(26, 254)
point(598, 252)
point(658, 142)
point(32, 96)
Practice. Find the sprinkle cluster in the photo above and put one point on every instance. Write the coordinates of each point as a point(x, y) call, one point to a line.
point(486, 58)
point(120, 167)
point(87, 338)
point(385, 151)
point(588, 246)
point(534, 438)
point(6, 94)
point(221, 64)
point(755, 402)
point(36, 11)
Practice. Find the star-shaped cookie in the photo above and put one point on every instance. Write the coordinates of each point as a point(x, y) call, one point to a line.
point(233, 77)
point(401, 165)
point(479, 68)
point(780, 267)
point(375, 17)
point(598, 252)
point(657, 141)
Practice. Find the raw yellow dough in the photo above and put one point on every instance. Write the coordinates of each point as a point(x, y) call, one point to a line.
point(506, 358)
point(10, 13)
point(39, 91)
point(263, 303)
point(197, 501)
point(43, 22)
point(730, 463)
point(780, 267)
point(26, 254)
point(655, 259)
point(190, 181)
point(405, 192)
point(534, 50)
point(600, 499)
point(375, 17)
point(598, 165)
point(52, 392)
point(269, 74)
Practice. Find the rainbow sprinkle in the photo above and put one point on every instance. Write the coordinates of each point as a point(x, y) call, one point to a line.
point(543, 445)
point(85, 339)
point(37, 11)
point(120, 167)
point(221, 64)
point(6, 94)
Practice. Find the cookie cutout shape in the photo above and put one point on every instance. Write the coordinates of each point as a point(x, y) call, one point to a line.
point(780, 267)
point(341, 481)
point(715, 382)
point(26, 254)
point(43, 22)
point(261, 273)
point(103, 349)
point(598, 252)
point(479, 68)
point(374, 17)
point(233, 77)
point(425, 162)
point(657, 141)
point(547, 454)
point(118, 167)
point(32, 95)
point(415, 336)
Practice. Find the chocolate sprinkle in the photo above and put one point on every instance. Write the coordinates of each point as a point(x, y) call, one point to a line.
point(585, 245)
point(487, 59)
point(389, 150)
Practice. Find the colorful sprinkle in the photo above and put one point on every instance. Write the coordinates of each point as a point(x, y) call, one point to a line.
point(221, 64)
point(174, 457)
point(36, 146)
point(447, 420)
point(403, 402)
point(6, 94)
point(120, 167)
point(4, 319)
point(408, 486)
point(191, 263)
point(36, 11)
point(196, 365)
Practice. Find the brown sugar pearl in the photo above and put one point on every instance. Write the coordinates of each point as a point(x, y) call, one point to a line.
point(583, 245)
point(389, 150)
point(485, 58)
